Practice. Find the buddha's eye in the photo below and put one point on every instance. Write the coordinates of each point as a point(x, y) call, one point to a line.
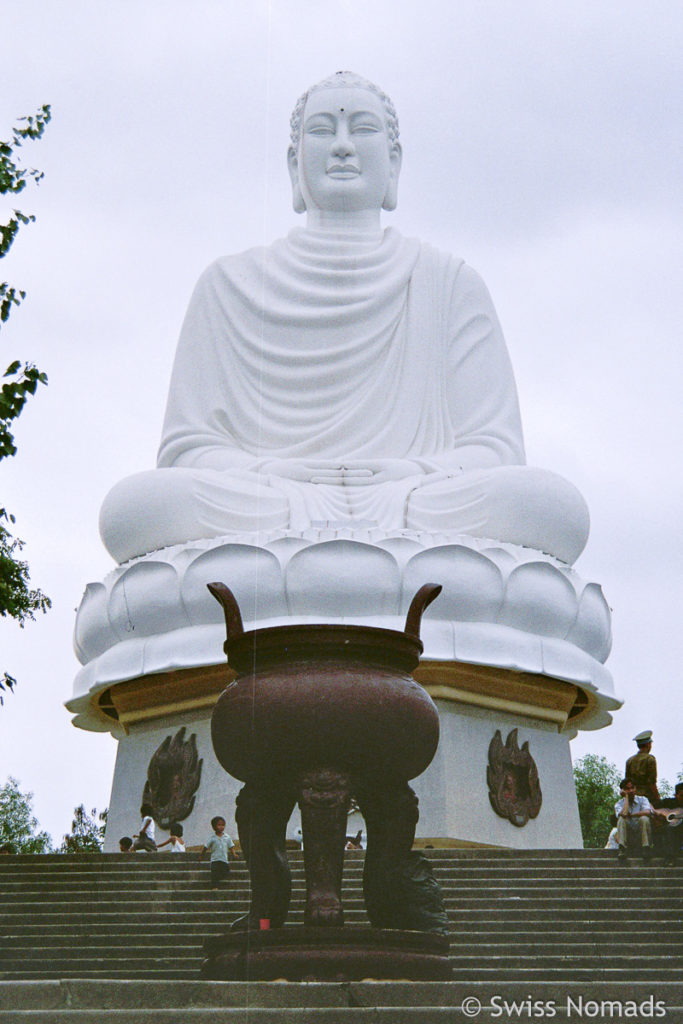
point(319, 129)
point(366, 129)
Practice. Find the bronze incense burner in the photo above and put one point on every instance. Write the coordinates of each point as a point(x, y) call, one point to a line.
point(319, 714)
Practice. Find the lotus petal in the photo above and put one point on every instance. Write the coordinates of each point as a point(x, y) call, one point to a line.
point(592, 629)
point(343, 578)
point(472, 584)
point(402, 548)
point(92, 632)
point(146, 600)
point(253, 574)
point(539, 599)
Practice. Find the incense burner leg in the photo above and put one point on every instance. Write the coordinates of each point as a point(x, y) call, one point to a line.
point(391, 814)
point(262, 813)
point(398, 884)
point(324, 798)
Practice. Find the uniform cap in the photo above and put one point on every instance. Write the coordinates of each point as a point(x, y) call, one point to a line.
point(643, 737)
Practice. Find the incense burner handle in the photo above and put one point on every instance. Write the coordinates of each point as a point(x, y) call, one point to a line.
point(233, 618)
point(420, 602)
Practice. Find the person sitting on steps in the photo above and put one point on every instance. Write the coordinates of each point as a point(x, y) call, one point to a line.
point(633, 818)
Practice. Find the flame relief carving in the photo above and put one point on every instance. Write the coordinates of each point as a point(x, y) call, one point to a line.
point(512, 776)
point(173, 778)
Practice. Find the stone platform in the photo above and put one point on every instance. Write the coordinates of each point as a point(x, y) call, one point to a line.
point(516, 641)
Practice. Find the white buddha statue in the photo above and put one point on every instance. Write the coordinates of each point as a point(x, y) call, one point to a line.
point(344, 374)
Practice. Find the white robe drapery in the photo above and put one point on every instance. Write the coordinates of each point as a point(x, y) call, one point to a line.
point(341, 348)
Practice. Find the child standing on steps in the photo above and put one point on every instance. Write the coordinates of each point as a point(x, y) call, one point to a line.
point(221, 847)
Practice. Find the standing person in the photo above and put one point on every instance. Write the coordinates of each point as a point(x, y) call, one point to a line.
point(175, 839)
point(144, 840)
point(641, 768)
point(633, 815)
point(221, 848)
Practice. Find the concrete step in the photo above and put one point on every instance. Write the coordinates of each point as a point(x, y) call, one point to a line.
point(282, 1001)
point(587, 975)
point(139, 956)
point(234, 1015)
point(475, 861)
point(216, 902)
point(497, 955)
point(638, 888)
point(83, 994)
point(504, 919)
point(28, 865)
point(364, 1015)
point(295, 855)
point(667, 884)
point(37, 936)
point(179, 865)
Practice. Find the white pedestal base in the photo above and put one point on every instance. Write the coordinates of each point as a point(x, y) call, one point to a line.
point(453, 792)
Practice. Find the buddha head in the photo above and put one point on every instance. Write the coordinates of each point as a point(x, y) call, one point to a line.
point(344, 155)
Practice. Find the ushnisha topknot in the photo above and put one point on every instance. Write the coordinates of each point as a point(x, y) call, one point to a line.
point(336, 81)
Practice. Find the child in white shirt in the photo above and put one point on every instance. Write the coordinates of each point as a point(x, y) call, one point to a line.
point(221, 847)
point(144, 840)
point(175, 840)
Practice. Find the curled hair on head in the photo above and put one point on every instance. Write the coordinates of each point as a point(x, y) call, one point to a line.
point(336, 81)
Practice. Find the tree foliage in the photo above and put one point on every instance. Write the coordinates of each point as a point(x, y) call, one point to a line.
point(18, 599)
point(21, 379)
point(18, 826)
point(597, 790)
point(86, 835)
point(664, 788)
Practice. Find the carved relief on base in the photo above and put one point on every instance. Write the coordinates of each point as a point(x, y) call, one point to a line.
point(512, 776)
point(173, 777)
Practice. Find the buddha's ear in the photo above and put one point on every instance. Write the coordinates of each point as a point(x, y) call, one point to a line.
point(395, 158)
point(298, 201)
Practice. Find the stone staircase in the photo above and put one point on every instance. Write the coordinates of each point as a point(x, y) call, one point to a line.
point(553, 934)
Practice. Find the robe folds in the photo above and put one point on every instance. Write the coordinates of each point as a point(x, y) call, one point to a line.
point(339, 347)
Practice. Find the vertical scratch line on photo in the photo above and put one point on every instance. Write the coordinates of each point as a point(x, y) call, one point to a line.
point(266, 164)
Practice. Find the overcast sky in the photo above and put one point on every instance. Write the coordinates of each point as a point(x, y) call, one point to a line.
point(542, 143)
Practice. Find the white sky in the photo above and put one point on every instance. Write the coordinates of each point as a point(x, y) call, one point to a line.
point(542, 142)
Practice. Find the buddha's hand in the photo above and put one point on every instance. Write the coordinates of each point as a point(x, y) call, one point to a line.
point(364, 472)
point(310, 471)
point(350, 473)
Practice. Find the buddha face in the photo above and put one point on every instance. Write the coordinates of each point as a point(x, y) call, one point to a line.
point(345, 161)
